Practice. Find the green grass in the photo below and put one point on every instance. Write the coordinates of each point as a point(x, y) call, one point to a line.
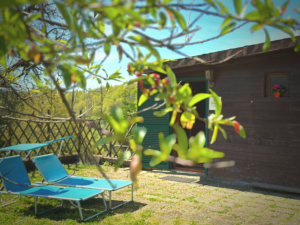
point(155, 202)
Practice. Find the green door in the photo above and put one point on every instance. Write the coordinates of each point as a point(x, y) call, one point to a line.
point(154, 125)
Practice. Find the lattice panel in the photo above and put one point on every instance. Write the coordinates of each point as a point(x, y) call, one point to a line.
point(13, 132)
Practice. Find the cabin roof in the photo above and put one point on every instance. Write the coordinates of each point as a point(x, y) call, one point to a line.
point(240, 52)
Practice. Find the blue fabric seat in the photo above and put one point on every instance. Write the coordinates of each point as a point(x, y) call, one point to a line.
point(53, 171)
point(14, 169)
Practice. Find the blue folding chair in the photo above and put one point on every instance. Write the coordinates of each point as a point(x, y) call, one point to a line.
point(52, 170)
point(61, 144)
point(14, 169)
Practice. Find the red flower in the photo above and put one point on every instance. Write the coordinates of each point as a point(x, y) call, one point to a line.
point(276, 86)
point(236, 126)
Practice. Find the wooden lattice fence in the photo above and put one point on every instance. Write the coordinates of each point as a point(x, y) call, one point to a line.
point(13, 132)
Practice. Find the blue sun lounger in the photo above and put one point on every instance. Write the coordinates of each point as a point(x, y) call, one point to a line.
point(14, 169)
point(52, 170)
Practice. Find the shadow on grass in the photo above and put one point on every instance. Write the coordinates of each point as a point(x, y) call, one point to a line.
point(240, 186)
point(89, 207)
point(224, 183)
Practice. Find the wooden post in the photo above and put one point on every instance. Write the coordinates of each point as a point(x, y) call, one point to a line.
point(79, 138)
point(48, 132)
point(9, 132)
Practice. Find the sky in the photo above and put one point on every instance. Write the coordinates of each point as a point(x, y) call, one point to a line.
point(209, 28)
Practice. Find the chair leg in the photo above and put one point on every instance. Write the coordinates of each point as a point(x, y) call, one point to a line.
point(35, 206)
point(80, 210)
point(122, 203)
point(104, 202)
point(9, 203)
point(109, 200)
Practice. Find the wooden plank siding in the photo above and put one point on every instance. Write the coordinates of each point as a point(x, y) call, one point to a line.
point(271, 152)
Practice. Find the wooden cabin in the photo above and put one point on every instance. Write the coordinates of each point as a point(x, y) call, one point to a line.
point(271, 151)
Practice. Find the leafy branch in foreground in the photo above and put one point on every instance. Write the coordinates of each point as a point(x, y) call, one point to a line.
point(63, 47)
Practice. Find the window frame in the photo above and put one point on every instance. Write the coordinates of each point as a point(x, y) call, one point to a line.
point(277, 74)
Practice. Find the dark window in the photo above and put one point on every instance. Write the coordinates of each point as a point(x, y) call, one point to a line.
point(281, 79)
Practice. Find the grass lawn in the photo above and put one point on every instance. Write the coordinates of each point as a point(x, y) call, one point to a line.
point(158, 201)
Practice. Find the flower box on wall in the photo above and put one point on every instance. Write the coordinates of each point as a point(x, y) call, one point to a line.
point(281, 79)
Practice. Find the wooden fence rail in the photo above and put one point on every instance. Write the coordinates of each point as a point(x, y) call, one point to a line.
point(13, 132)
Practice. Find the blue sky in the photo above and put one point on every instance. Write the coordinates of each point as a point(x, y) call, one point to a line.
point(209, 28)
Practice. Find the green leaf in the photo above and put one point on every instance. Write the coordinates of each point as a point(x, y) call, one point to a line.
point(171, 75)
point(2, 46)
point(200, 140)
point(238, 6)
point(99, 81)
point(179, 19)
point(116, 29)
point(139, 133)
point(101, 26)
point(121, 159)
point(117, 114)
point(242, 132)
point(187, 120)
point(297, 48)
point(163, 19)
point(297, 10)
point(218, 103)
point(107, 87)
point(223, 131)
point(256, 27)
point(224, 9)
point(215, 133)
point(64, 12)
point(181, 136)
point(156, 68)
point(3, 61)
point(286, 30)
point(182, 153)
point(198, 97)
point(227, 28)
point(226, 21)
point(36, 80)
point(267, 44)
point(162, 112)
point(152, 152)
point(173, 118)
point(170, 141)
point(143, 98)
point(254, 15)
point(101, 142)
point(32, 17)
point(107, 48)
point(210, 154)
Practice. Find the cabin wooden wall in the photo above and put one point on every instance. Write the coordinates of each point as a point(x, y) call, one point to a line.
point(271, 152)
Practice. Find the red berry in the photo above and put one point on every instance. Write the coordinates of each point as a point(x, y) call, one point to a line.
point(141, 86)
point(156, 76)
point(137, 73)
point(140, 83)
point(283, 9)
point(166, 81)
point(73, 78)
point(236, 126)
point(137, 24)
point(171, 98)
point(128, 67)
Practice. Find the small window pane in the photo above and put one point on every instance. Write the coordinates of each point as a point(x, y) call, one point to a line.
point(281, 79)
